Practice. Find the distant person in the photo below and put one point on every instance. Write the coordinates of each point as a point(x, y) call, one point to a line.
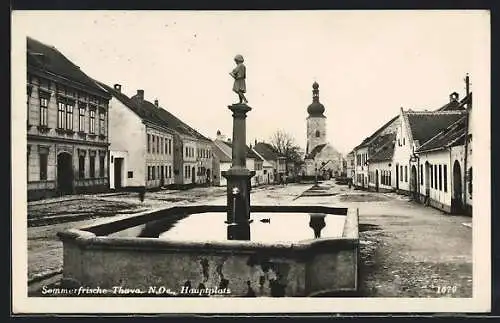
point(142, 193)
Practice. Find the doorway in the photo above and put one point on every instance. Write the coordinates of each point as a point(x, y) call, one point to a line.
point(456, 199)
point(427, 179)
point(118, 172)
point(413, 182)
point(397, 177)
point(64, 173)
point(193, 175)
point(376, 180)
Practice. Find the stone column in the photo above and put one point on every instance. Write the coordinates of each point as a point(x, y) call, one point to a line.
point(238, 179)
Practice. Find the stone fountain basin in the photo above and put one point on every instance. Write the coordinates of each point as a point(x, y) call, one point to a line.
point(126, 255)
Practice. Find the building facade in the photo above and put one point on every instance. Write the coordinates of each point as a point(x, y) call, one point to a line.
point(274, 165)
point(141, 146)
point(426, 155)
point(441, 168)
point(223, 149)
point(67, 126)
point(367, 149)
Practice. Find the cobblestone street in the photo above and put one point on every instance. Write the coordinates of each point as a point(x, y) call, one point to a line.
point(407, 250)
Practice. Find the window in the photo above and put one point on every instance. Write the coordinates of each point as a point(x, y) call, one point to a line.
point(470, 180)
point(161, 145)
point(440, 178)
point(130, 174)
point(317, 133)
point(170, 171)
point(92, 166)
point(435, 177)
point(401, 173)
point(149, 173)
point(69, 116)
point(421, 174)
point(61, 111)
point(43, 111)
point(389, 183)
point(81, 119)
point(102, 123)
point(153, 143)
point(157, 145)
point(166, 146)
point(170, 146)
point(406, 174)
point(101, 166)
point(445, 178)
point(92, 122)
point(81, 166)
point(431, 175)
point(43, 166)
point(153, 175)
point(149, 143)
point(403, 141)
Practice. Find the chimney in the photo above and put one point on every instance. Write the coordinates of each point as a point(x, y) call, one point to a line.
point(140, 94)
point(454, 97)
point(255, 142)
point(156, 103)
point(118, 87)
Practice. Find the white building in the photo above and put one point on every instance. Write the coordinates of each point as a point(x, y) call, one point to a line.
point(416, 128)
point(271, 162)
point(222, 149)
point(364, 151)
point(151, 148)
point(441, 166)
point(350, 162)
point(379, 165)
point(141, 146)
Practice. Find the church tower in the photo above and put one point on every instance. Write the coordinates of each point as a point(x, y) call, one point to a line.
point(316, 122)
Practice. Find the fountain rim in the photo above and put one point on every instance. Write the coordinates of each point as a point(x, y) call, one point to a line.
point(96, 236)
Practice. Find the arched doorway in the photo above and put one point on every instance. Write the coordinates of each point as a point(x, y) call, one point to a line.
point(413, 182)
point(456, 199)
point(193, 175)
point(64, 173)
point(376, 180)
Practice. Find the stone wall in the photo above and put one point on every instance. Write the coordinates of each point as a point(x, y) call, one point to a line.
point(229, 268)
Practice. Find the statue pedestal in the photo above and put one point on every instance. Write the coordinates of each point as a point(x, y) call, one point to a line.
point(238, 178)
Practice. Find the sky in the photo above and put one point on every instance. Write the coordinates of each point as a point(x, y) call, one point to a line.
point(368, 63)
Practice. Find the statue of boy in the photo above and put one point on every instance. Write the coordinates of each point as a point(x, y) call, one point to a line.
point(239, 75)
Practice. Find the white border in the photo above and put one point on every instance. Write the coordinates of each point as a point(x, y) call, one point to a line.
point(480, 302)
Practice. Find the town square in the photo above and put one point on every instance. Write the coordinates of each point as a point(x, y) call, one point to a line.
point(222, 154)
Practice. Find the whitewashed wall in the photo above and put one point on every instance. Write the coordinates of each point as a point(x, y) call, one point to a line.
point(128, 133)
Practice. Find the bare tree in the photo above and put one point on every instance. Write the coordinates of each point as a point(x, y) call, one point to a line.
point(284, 144)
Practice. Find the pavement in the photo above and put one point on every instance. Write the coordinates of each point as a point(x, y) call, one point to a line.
point(407, 249)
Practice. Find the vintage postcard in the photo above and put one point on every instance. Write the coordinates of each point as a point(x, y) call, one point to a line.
point(251, 161)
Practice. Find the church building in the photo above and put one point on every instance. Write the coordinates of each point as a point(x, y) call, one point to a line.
point(321, 158)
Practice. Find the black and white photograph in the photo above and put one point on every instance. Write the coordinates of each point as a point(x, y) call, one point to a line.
point(251, 161)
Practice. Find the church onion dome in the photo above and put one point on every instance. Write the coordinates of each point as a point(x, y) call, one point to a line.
point(316, 109)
